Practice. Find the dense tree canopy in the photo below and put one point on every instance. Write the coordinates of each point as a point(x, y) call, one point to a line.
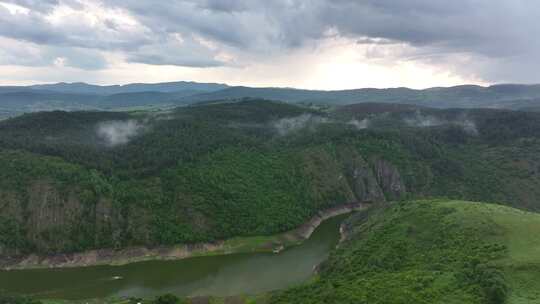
point(217, 170)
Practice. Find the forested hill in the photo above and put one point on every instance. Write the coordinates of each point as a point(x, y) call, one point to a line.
point(71, 181)
point(430, 252)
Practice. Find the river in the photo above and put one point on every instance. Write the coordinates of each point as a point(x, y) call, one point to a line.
point(224, 275)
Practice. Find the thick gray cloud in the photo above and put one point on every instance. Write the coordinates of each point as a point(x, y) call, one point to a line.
point(69, 30)
point(224, 5)
point(14, 52)
point(29, 27)
point(176, 50)
point(493, 28)
point(498, 37)
point(472, 25)
point(498, 33)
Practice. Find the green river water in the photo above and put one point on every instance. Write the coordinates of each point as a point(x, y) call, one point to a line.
point(225, 275)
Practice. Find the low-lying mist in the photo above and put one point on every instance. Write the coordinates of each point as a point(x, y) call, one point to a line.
point(285, 126)
point(116, 133)
point(421, 120)
point(360, 124)
point(310, 122)
point(288, 125)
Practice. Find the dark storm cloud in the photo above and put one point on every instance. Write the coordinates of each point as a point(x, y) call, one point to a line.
point(29, 27)
point(213, 20)
point(180, 51)
point(488, 27)
point(499, 35)
point(493, 28)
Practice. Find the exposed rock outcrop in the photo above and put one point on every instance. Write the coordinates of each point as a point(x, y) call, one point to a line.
point(305, 231)
point(375, 180)
point(361, 178)
point(48, 219)
point(389, 179)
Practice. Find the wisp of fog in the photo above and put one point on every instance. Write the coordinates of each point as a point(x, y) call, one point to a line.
point(118, 132)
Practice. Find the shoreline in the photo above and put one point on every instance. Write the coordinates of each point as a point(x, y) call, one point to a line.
point(111, 257)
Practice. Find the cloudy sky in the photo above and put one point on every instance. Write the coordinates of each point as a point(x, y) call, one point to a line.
point(324, 44)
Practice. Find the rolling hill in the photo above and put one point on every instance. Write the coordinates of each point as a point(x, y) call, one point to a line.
point(81, 96)
point(431, 252)
point(467, 96)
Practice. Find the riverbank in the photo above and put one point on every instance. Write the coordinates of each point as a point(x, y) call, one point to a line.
point(274, 243)
point(260, 299)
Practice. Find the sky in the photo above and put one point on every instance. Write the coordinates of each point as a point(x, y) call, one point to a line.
point(314, 44)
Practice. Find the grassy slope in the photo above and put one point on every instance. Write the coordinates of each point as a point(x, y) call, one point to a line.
point(522, 263)
point(432, 252)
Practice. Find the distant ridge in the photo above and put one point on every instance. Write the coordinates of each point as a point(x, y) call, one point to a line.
point(82, 96)
point(163, 87)
point(463, 96)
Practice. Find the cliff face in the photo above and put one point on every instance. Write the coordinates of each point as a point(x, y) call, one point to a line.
point(362, 180)
point(376, 180)
point(47, 219)
point(389, 179)
point(341, 175)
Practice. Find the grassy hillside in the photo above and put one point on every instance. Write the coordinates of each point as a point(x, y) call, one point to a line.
point(431, 252)
point(244, 168)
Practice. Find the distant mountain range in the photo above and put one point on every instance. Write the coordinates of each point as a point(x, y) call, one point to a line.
point(83, 96)
point(163, 87)
point(466, 96)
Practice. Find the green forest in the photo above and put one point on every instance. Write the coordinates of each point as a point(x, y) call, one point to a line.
point(73, 181)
